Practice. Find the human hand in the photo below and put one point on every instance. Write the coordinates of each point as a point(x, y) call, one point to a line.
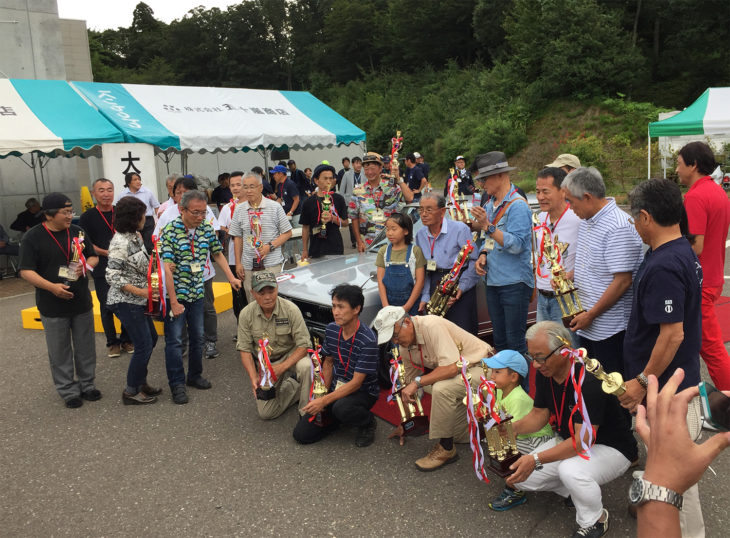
point(398, 432)
point(305, 254)
point(408, 392)
point(240, 273)
point(673, 460)
point(480, 215)
point(633, 396)
point(326, 217)
point(452, 300)
point(176, 309)
point(361, 246)
point(314, 407)
point(422, 306)
point(481, 265)
point(581, 321)
point(60, 290)
point(235, 284)
point(265, 250)
point(279, 368)
point(522, 468)
point(254, 387)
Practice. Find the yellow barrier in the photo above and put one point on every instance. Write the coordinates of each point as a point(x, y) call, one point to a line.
point(223, 301)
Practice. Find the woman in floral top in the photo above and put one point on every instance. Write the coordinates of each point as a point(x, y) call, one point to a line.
point(127, 278)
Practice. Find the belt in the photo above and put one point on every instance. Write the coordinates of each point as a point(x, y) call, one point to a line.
point(546, 293)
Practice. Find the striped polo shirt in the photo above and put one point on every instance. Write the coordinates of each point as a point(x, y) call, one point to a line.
point(358, 354)
point(273, 224)
point(607, 244)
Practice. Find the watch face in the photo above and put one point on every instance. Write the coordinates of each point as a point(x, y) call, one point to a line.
point(636, 491)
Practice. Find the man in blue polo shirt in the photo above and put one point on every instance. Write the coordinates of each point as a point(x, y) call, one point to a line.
point(665, 327)
point(350, 357)
point(506, 253)
point(287, 194)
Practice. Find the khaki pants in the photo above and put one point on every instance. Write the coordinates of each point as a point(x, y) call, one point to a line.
point(276, 269)
point(291, 387)
point(448, 412)
point(690, 517)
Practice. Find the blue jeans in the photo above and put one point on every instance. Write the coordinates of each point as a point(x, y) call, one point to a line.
point(548, 309)
point(141, 330)
point(192, 318)
point(508, 307)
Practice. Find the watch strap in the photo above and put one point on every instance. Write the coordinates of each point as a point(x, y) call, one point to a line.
point(538, 463)
point(652, 492)
point(643, 380)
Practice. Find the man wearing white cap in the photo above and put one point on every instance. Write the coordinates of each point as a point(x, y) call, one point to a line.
point(566, 162)
point(433, 342)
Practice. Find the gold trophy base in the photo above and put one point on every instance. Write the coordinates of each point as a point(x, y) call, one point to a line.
point(501, 467)
point(415, 426)
point(156, 312)
point(567, 320)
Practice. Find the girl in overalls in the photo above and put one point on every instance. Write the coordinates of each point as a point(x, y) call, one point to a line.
point(401, 266)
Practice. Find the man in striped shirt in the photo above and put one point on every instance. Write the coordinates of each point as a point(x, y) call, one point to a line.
point(259, 229)
point(608, 254)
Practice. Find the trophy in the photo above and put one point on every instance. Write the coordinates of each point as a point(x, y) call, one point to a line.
point(413, 420)
point(319, 388)
point(565, 291)
point(611, 383)
point(326, 207)
point(254, 218)
point(154, 283)
point(449, 286)
point(70, 272)
point(267, 381)
point(396, 143)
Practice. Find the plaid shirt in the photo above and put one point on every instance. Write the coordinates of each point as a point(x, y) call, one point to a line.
point(385, 196)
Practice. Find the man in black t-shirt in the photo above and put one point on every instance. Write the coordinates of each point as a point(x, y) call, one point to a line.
point(62, 295)
point(299, 179)
point(414, 176)
point(28, 218)
point(321, 229)
point(287, 194)
point(222, 193)
point(665, 327)
point(555, 466)
point(98, 225)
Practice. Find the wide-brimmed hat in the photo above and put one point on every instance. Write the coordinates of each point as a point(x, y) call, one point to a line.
point(566, 159)
point(372, 157)
point(489, 164)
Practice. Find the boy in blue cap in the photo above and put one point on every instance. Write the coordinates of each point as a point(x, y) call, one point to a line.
point(509, 368)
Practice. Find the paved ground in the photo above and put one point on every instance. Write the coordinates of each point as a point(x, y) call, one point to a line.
point(211, 468)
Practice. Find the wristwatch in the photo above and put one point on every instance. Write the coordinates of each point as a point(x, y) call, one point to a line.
point(491, 229)
point(642, 491)
point(643, 380)
point(271, 246)
point(538, 464)
point(417, 379)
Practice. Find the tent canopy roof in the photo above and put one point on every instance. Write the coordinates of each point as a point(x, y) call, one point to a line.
point(200, 119)
point(708, 115)
point(49, 117)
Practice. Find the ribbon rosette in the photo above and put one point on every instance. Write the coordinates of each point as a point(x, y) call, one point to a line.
point(474, 437)
point(79, 248)
point(587, 431)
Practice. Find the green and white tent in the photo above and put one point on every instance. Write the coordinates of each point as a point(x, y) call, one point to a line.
point(708, 115)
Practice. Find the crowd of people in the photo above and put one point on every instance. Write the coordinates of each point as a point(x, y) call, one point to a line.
point(647, 280)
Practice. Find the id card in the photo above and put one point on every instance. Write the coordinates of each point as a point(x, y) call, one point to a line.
point(431, 265)
point(316, 230)
point(64, 273)
point(489, 244)
point(196, 267)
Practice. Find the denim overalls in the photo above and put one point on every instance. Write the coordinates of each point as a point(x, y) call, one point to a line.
point(398, 281)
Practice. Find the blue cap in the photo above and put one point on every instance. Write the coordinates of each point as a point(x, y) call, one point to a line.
point(509, 359)
point(279, 168)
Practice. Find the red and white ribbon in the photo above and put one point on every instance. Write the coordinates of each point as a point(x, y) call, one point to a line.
point(268, 377)
point(474, 436)
point(79, 248)
point(587, 433)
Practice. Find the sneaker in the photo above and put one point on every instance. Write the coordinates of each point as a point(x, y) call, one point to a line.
point(114, 351)
point(91, 395)
point(599, 528)
point(128, 347)
point(366, 434)
point(509, 498)
point(210, 350)
point(179, 395)
point(73, 403)
point(150, 391)
point(201, 383)
point(438, 457)
point(137, 399)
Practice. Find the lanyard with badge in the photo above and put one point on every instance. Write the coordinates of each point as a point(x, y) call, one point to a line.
point(489, 242)
point(431, 263)
point(63, 271)
point(341, 382)
point(195, 266)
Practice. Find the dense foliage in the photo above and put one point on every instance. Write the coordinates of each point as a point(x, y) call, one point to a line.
point(457, 76)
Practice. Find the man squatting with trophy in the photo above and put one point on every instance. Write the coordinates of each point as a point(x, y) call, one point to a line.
point(436, 343)
point(349, 375)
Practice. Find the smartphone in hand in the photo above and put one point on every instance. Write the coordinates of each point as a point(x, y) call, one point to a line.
point(715, 406)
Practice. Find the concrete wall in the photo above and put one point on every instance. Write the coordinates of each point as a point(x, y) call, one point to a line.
point(76, 54)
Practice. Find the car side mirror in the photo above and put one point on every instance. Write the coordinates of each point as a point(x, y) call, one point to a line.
point(374, 276)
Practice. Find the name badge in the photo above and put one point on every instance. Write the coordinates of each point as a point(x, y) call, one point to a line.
point(431, 265)
point(339, 383)
point(489, 244)
point(65, 273)
point(196, 267)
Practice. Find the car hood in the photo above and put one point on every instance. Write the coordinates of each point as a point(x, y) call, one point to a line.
point(313, 282)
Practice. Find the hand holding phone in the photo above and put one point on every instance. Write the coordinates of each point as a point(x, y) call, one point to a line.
point(715, 406)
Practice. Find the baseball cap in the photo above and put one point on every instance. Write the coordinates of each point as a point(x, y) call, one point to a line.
point(385, 322)
point(279, 168)
point(460, 158)
point(263, 279)
point(56, 200)
point(416, 155)
point(566, 159)
point(508, 359)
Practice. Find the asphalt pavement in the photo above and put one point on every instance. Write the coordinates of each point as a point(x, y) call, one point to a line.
point(213, 468)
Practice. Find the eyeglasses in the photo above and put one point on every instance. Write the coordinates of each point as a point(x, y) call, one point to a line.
point(542, 360)
point(196, 213)
point(67, 212)
point(395, 334)
point(429, 210)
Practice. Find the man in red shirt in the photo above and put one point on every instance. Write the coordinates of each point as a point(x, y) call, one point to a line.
point(708, 212)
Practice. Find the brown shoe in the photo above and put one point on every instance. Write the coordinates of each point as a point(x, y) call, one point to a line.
point(128, 347)
point(114, 351)
point(150, 391)
point(137, 399)
point(438, 457)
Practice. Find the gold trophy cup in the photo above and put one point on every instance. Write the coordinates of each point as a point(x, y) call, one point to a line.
point(413, 420)
point(319, 389)
point(565, 291)
point(326, 207)
point(611, 383)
